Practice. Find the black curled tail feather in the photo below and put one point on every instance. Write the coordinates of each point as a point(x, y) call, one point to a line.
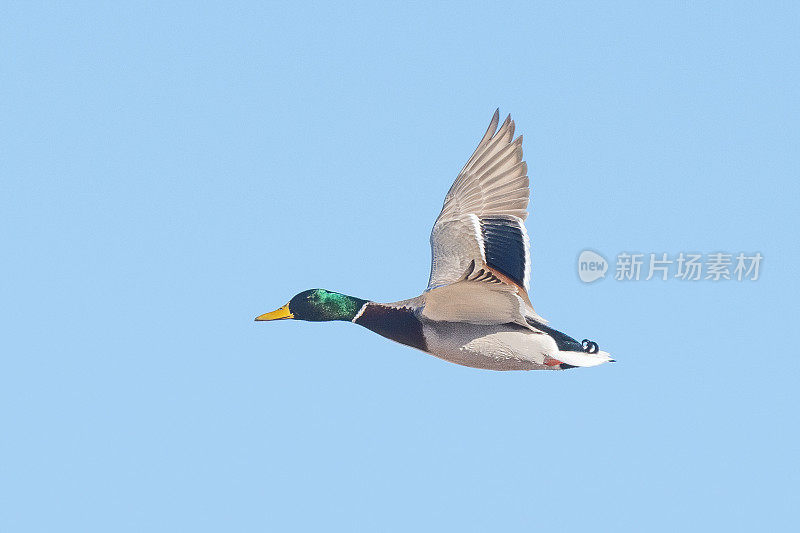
point(563, 341)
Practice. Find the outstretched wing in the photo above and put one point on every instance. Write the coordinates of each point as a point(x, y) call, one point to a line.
point(480, 234)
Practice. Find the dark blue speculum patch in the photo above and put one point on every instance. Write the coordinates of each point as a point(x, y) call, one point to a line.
point(504, 244)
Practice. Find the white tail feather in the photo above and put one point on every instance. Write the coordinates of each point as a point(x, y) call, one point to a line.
point(583, 358)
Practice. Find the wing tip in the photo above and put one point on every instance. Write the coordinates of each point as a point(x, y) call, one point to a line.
point(490, 131)
point(494, 122)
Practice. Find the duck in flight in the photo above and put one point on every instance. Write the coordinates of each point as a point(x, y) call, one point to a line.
point(476, 310)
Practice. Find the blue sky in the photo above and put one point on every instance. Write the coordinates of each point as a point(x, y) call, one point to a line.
point(171, 171)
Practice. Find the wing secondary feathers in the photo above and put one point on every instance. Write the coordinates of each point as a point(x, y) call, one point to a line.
point(482, 221)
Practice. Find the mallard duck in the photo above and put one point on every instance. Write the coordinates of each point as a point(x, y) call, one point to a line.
point(476, 310)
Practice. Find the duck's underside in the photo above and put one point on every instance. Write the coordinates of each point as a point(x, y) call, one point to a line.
point(506, 346)
point(496, 347)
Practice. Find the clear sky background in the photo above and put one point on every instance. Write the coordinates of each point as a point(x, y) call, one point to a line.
point(170, 171)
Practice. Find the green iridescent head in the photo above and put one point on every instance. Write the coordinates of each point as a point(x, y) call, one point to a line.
point(317, 305)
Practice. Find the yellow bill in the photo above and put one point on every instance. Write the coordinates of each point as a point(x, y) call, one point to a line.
point(278, 314)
